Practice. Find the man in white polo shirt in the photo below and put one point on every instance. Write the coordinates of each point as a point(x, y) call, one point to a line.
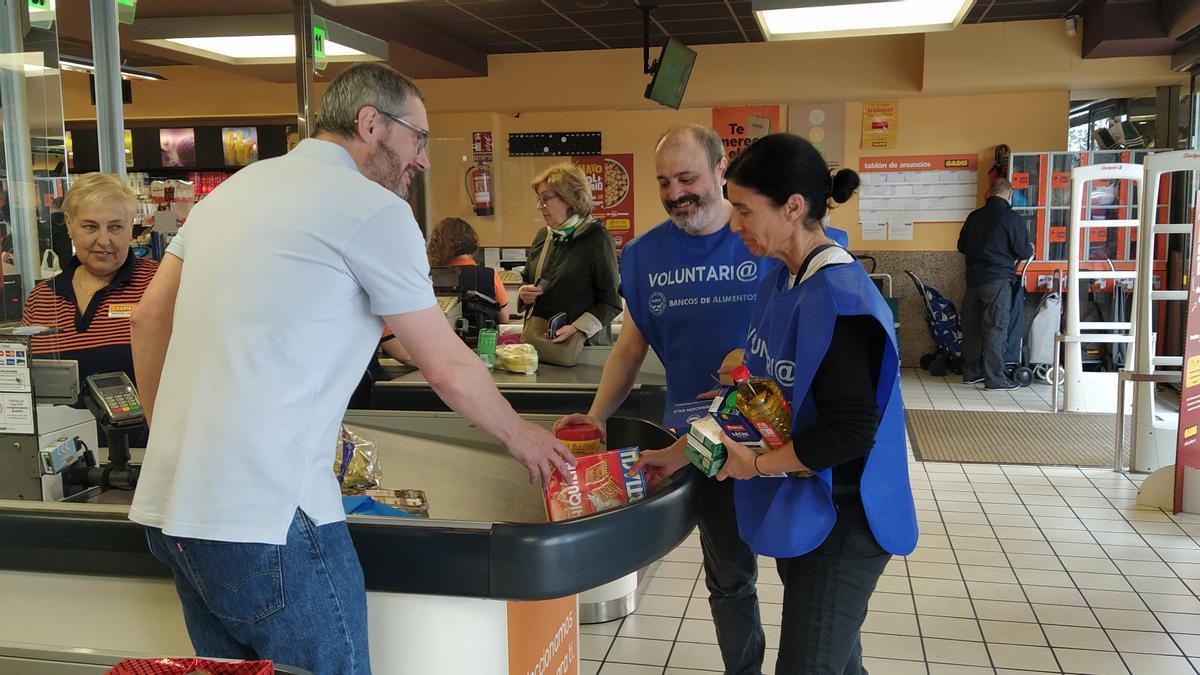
point(237, 492)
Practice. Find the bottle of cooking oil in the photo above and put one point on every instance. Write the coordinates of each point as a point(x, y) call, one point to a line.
point(763, 405)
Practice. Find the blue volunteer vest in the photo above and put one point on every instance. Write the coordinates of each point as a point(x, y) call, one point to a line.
point(789, 335)
point(691, 298)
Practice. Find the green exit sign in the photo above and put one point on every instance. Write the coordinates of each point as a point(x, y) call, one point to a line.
point(126, 9)
point(41, 5)
point(319, 34)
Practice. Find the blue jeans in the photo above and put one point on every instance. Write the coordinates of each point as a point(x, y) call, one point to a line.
point(301, 604)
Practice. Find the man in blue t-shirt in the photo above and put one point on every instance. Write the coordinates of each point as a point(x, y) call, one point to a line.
point(689, 285)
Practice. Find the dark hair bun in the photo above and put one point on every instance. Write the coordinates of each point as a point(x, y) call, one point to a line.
point(845, 182)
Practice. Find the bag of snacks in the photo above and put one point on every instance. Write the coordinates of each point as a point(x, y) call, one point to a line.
point(356, 463)
point(521, 358)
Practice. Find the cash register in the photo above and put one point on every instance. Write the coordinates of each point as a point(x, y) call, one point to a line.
point(466, 307)
point(54, 457)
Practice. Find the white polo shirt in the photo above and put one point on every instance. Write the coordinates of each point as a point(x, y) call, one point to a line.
point(289, 265)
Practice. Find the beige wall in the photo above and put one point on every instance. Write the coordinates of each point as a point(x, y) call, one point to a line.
point(960, 92)
point(1027, 122)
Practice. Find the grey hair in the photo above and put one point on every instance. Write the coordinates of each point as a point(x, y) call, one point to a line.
point(704, 137)
point(999, 187)
point(364, 84)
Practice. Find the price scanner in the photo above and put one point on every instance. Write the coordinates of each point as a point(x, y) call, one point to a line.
point(55, 458)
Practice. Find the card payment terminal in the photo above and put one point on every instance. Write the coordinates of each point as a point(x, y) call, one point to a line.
point(114, 392)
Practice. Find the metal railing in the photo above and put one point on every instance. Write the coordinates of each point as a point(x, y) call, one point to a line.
point(1058, 377)
point(1130, 376)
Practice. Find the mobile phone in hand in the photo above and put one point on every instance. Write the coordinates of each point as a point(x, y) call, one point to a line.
point(541, 284)
point(556, 322)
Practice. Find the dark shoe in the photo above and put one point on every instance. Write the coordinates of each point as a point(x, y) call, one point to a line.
point(1007, 386)
point(972, 380)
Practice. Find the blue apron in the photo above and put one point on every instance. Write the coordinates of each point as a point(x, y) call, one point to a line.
point(789, 335)
point(691, 298)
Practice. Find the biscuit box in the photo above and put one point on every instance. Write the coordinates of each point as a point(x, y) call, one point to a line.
point(597, 483)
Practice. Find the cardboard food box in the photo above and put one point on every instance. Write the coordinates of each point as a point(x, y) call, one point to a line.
point(597, 483)
point(409, 501)
point(704, 448)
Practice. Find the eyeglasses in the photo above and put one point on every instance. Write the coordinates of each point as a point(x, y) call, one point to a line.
point(422, 134)
point(543, 202)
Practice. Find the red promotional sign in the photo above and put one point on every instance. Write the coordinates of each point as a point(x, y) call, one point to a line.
point(481, 145)
point(1187, 444)
point(740, 126)
point(611, 179)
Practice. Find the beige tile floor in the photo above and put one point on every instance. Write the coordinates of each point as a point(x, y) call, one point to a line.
point(1019, 569)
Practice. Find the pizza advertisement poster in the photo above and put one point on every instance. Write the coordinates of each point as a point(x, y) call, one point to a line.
point(611, 180)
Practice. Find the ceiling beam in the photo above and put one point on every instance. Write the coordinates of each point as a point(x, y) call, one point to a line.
point(1126, 28)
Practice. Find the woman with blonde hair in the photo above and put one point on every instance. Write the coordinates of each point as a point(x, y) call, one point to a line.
point(572, 269)
point(89, 303)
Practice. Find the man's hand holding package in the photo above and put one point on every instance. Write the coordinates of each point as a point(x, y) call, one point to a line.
point(540, 453)
point(580, 418)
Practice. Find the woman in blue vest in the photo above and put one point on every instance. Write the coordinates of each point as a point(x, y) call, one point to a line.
point(822, 331)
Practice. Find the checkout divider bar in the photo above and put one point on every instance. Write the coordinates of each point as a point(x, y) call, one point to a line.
point(500, 560)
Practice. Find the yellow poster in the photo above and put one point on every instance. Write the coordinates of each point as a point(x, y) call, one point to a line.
point(879, 124)
point(1192, 378)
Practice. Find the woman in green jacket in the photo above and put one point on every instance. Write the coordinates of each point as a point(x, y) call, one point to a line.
point(574, 258)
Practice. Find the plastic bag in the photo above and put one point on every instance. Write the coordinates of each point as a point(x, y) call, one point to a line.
point(191, 665)
point(356, 463)
point(522, 358)
point(50, 264)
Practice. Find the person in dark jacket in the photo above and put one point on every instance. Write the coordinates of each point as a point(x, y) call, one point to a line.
point(574, 257)
point(994, 238)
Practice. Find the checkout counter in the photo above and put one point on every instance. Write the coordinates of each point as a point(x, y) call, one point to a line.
point(551, 390)
point(484, 585)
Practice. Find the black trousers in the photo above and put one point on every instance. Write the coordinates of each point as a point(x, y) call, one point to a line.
point(825, 597)
point(984, 317)
point(730, 572)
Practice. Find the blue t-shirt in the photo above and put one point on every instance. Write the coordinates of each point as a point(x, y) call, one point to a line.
point(691, 297)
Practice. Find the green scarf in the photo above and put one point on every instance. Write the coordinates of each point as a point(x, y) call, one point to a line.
point(567, 230)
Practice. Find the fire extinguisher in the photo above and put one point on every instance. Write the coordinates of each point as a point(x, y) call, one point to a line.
point(479, 186)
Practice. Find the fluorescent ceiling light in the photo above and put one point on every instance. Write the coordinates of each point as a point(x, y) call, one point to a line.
point(77, 64)
point(247, 47)
point(253, 39)
point(806, 19)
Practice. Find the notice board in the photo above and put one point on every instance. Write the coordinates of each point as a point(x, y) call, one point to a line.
point(898, 192)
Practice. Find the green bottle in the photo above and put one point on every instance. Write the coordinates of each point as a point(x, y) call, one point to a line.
point(486, 346)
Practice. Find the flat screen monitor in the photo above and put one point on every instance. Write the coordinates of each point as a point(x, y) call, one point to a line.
point(671, 74)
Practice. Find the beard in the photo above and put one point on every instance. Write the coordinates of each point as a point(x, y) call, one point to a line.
point(706, 209)
point(385, 167)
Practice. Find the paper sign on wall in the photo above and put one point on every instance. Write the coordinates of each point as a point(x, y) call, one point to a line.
point(740, 126)
point(900, 231)
point(874, 231)
point(824, 125)
point(904, 191)
point(879, 124)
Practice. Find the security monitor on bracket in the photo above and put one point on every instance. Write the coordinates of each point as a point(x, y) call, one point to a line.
point(671, 70)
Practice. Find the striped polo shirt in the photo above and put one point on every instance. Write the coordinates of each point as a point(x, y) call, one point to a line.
point(98, 338)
